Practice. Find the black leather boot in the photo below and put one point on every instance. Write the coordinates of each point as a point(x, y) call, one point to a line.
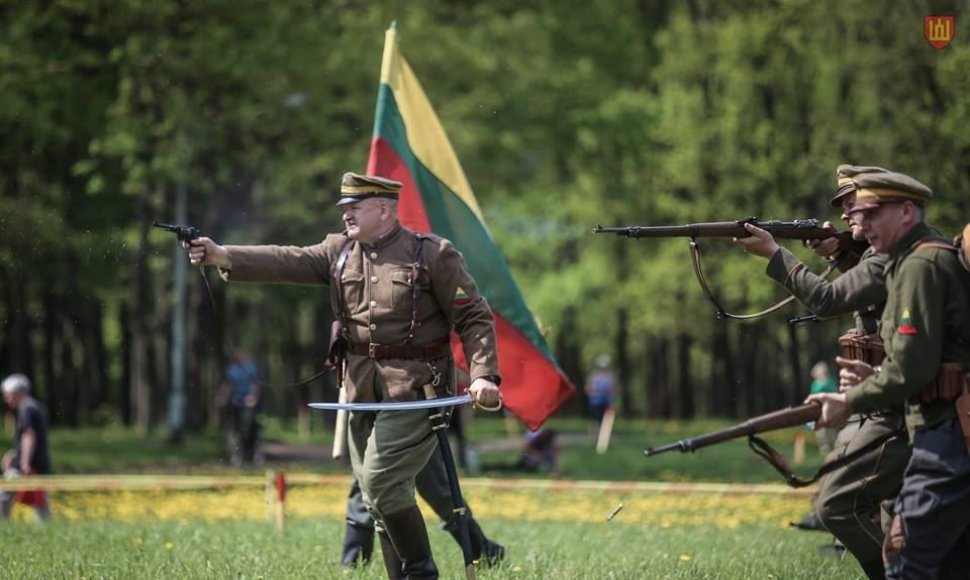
point(487, 552)
point(358, 546)
point(392, 563)
point(410, 537)
point(874, 569)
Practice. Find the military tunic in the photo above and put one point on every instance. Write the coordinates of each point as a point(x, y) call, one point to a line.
point(926, 321)
point(849, 496)
point(376, 305)
point(862, 288)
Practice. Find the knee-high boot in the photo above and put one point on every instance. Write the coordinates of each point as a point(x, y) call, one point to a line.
point(874, 569)
point(358, 546)
point(392, 563)
point(484, 550)
point(410, 538)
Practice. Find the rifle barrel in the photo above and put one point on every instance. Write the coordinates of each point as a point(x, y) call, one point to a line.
point(805, 229)
point(769, 422)
point(678, 446)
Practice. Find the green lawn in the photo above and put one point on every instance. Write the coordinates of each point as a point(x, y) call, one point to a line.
point(309, 549)
point(101, 548)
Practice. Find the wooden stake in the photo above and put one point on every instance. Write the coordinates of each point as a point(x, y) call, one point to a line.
point(606, 430)
point(798, 457)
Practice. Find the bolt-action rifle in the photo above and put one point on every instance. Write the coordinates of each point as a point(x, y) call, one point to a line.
point(761, 424)
point(805, 229)
point(773, 421)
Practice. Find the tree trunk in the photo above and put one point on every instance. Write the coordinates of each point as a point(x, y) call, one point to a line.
point(125, 399)
point(685, 382)
point(658, 383)
point(140, 309)
point(568, 353)
point(623, 372)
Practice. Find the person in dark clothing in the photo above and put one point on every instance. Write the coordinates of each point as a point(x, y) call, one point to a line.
point(29, 454)
point(239, 397)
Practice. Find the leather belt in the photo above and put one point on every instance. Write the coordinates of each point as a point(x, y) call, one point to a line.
point(948, 385)
point(411, 351)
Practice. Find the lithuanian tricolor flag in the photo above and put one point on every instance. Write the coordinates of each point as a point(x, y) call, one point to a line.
point(410, 145)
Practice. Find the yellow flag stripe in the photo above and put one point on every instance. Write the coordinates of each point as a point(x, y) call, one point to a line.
point(426, 135)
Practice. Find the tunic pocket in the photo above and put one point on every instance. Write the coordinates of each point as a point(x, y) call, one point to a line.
point(401, 288)
point(352, 283)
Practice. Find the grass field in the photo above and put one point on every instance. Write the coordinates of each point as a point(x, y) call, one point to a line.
point(550, 534)
point(551, 530)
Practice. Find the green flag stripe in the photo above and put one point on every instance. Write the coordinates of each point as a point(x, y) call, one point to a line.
point(451, 218)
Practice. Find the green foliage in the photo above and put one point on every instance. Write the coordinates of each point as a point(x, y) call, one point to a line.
point(564, 116)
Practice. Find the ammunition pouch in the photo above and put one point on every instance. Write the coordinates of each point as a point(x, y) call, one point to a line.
point(963, 412)
point(865, 347)
point(950, 383)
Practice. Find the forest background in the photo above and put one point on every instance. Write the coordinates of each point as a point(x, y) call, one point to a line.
point(565, 114)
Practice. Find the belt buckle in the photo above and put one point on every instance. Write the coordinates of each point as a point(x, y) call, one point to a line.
point(372, 350)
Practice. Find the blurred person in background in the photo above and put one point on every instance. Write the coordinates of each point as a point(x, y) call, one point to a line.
point(823, 382)
point(29, 454)
point(600, 388)
point(238, 396)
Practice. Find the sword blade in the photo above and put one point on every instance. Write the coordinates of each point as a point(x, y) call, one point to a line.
point(405, 406)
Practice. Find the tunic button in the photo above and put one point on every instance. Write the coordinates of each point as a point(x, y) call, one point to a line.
point(373, 327)
point(373, 255)
point(373, 279)
point(373, 303)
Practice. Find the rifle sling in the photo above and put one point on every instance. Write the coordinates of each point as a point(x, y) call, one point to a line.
point(695, 261)
point(769, 454)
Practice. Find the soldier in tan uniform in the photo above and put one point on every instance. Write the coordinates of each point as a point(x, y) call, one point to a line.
point(925, 327)
point(850, 496)
point(398, 295)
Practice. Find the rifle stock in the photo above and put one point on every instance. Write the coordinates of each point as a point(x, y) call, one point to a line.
point(770, 422)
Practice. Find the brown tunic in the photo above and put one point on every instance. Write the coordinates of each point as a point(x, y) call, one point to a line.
point(378, 293)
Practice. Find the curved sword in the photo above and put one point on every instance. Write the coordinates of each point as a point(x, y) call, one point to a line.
point(405, 406)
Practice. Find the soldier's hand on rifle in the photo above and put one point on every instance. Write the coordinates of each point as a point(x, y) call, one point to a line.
point(827, 248)
point(205, 252)
point(835, 410)
point(759, 243)
point(852, 372)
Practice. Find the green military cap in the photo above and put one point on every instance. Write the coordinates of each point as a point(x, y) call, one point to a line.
point(844, 175)
point(355, 187)
point(873, 189)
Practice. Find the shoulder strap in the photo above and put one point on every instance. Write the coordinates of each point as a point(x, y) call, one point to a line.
point(337, 274)
point(927, 244)
point(416, 266)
